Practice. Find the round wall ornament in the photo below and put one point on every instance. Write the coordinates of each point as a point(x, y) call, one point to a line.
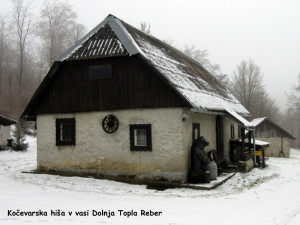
point(110, 124)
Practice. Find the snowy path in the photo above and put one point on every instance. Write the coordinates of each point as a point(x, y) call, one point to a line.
point(269, 196)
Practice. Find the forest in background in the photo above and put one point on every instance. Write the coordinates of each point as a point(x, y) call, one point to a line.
point(30, 44)
point(28, 47)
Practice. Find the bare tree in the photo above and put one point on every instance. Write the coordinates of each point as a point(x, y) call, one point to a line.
point(2, 40)
point(247, 83)
point(20, 74)
point(294, 95)
point(294, 112)
point(201, 56)
point(247, 86)
point(23, 22)
point(58, 28)
point(77, 32)
point(146, 29)
point(265, 106)
point(8, 68)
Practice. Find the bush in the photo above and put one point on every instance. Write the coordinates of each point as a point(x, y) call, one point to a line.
point(19, 138)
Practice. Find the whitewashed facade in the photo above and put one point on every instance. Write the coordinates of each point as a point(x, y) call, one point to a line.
point(109, 154)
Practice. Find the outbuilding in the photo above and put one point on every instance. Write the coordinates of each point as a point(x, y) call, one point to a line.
point(279, 139)
point(123, 103)
point(5, 124)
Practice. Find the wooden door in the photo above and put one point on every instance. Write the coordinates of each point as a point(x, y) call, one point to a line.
point(220, 137)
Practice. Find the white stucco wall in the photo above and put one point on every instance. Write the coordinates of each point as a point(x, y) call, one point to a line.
point(4, 135)
point(208, 131)
point(227, 135)
point(110, 154)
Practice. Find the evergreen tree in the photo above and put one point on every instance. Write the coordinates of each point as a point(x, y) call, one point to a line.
point(19, 138)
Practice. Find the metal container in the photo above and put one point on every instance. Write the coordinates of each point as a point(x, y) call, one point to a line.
point(213, 169)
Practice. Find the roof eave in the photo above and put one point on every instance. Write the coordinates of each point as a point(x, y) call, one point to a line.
point(279, 127)
point(5, 121)
point(212, 112)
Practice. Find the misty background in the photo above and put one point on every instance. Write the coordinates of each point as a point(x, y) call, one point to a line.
point(252, 47)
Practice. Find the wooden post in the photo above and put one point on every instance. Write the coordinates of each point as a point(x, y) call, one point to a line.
point(281, 147)
point(249, 141)
point(263, 157)
point(243, 143)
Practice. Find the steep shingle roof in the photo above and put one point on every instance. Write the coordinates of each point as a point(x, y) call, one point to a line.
point(256, 122)
point(191, 80)
point(113, 37)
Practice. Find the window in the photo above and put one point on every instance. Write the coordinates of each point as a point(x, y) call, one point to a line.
point(196, 131)
point(100, 72)
point(65, 132)
point(140, 137)
point(232, 131)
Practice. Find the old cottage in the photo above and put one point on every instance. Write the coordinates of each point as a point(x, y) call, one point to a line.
point(121, 102)
point(5, 124)
point(279, 138)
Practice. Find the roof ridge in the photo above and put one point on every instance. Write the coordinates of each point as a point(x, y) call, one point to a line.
point(118, 29)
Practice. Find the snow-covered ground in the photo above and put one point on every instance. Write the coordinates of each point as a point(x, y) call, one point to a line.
point(269, 196)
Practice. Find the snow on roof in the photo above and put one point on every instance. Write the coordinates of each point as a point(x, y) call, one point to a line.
point(5, 121)
point(187, 76)
point(257, 121)
point(240, 119)
point(258, 142)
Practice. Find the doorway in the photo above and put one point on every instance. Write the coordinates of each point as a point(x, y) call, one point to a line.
point(220, 137)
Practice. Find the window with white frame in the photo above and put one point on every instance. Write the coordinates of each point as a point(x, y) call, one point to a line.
point(140, 137)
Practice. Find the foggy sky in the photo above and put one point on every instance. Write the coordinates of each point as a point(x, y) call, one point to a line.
point(266, 31)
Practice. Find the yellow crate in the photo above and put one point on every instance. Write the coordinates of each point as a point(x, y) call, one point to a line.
point(258, 153)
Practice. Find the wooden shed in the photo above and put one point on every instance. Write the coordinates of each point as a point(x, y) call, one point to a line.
point(279, 139)
point(5, 124)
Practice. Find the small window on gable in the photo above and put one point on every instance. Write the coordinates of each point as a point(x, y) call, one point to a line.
point(232, 131)
point(100, 72)
point(65, 132)
point(140, 137)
